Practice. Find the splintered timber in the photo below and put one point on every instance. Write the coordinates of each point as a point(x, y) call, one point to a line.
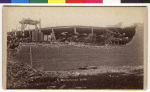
point(86, 34)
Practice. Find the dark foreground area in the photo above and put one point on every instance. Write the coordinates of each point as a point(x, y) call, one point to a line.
point(105, 81)
point(22, 76)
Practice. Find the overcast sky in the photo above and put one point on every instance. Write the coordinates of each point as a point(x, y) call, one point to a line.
point(67, 16)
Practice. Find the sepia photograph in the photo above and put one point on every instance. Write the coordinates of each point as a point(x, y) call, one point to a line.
point(68, 47)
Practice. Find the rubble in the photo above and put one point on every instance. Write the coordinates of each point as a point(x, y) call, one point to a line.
point(22, 76)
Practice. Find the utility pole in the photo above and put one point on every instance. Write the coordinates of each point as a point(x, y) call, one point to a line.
point(31, 56)
point(40, 25)
point(75, 31)
point(53, 33)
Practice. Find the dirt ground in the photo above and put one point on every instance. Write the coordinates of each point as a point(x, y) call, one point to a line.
point(22, 76)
